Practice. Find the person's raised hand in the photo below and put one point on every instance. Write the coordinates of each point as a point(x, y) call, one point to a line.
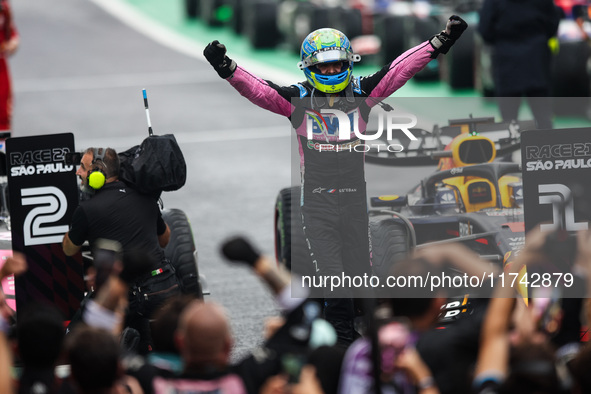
point(14, 265)
point(215, 53)
point(240, 250)
point(443, 41)
point(455, 27)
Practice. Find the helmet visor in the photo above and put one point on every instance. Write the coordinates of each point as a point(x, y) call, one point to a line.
point(329, 55)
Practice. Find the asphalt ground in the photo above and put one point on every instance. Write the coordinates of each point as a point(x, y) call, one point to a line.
point(81, 68)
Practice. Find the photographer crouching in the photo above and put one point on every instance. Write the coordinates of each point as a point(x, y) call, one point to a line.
point(119, 213)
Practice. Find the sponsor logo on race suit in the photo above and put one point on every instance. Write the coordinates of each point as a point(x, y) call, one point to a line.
point(319, 190)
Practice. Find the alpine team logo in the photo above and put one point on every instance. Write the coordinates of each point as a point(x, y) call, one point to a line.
point(319, 190)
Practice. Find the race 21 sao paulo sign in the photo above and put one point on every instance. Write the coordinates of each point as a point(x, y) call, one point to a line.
point(556, 167)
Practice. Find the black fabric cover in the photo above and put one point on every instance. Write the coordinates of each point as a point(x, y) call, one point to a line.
point(154, 166)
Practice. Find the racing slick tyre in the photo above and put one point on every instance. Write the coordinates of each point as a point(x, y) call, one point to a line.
point(290, 241)
point(307, 17)
point(460, 62)
point(393, 32)
point(421, 31)
point(192, 8)
point(210, 11)
point(237, 18)
point(346, 20)
point(180, 251)
point(260, 23)
point(389, 243)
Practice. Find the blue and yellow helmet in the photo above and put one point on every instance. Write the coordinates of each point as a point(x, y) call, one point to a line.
point(327, 46)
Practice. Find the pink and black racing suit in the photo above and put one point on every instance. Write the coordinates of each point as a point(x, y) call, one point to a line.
point(334, 203)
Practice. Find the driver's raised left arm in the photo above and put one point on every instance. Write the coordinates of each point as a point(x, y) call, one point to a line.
point(394, 75)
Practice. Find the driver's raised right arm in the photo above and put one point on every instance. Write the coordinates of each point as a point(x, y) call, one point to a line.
point(263, 93)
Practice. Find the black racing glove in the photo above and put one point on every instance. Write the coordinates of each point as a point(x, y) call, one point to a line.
point(240, 250)
point(215, 53)
point(453, 30)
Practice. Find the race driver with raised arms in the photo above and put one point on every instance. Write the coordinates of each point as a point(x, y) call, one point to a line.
point(334, 202)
